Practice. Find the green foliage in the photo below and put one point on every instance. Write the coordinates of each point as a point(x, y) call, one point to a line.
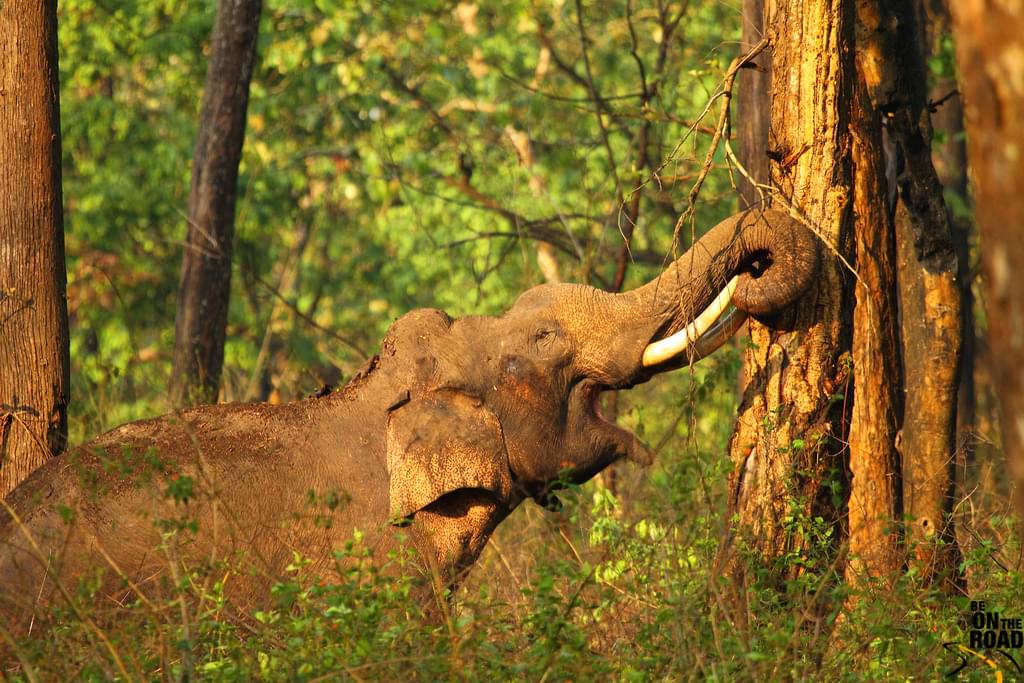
point(621, 592)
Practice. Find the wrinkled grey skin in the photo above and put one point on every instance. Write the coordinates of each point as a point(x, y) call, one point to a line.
point(440, 437)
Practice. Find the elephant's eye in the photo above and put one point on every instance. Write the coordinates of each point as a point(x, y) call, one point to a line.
point(549, 346)
point(548, 340)
point(544, 336)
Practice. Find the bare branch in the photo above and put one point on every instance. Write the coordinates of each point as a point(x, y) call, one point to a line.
point(649, 93)
point(599, 104)
point(720, 129)
point(309, 321)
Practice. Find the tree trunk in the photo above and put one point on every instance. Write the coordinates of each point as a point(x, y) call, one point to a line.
point(753, 116)
point(949, 156)
point(205, 286)
point(826, 403)
point(891, 56)
point(34, 363)
point(990, 57)
point(874, 503)
point(754, 107)
point(788, 436)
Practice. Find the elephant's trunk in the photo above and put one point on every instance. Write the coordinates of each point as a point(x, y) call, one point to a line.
point(761, 261)
point(773, 255)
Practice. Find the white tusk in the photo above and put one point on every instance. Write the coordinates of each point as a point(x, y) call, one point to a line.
point(722, 331)
point(670, 347)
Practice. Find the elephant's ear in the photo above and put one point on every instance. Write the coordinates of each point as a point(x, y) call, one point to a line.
point(442, 442)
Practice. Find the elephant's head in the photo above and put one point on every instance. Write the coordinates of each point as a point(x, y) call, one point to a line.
point(509, 407)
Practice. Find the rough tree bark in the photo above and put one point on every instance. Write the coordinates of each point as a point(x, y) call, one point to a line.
point(33, 304)
point(949, 156)
point(850, 147)
point(891, 56)
point(787, 439)
point(753, 114)
point(874, 502)
point(205, 286)
point(990, 56)
point(823, 405)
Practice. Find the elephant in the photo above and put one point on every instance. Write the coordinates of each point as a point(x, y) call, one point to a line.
point(449, 427)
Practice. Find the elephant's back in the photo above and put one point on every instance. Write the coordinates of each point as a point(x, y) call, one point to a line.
point(241, 486)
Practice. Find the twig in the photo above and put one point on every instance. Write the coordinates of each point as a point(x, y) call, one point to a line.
point(287, 279)
point(599, 105)
point(505, 563)
point(26, 666)
point(786, 204)
point(9, 414)
point(649, 93)
point(186, 647)
point(568, 542)
point(568, 70)
point(530, 235)
point(462, 184)
point(935, 104)
point(723, 123)
point(39, 593)
point(634, 50)
point(419, 99)
point(563, 98)
point(312, 323)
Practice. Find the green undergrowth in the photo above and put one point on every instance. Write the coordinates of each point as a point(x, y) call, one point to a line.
point(635, 600)
point(603, 590)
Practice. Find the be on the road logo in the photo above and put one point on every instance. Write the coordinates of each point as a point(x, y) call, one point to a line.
point(993, 639)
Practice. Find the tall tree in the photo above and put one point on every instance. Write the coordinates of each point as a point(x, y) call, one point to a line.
point(824, 403)
point(891, 53)
point(34, 381)
point(990, 56)
point(874, 498)
point(949, 154)
point(788, 434)
point(205, 287)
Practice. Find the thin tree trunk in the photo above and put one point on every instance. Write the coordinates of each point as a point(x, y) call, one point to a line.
point(754, 106)
point(205, 287)
point(787, 439)
point(990, 56)
point(34, 364)
point(891, 56)
point(949, 156)
point(753, 109)
point(875, 500)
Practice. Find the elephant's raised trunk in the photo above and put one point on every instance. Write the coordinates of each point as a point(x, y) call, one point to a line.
point(760, 261)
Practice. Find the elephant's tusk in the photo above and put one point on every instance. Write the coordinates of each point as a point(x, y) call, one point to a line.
point(670, 347)
point(721, 332)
